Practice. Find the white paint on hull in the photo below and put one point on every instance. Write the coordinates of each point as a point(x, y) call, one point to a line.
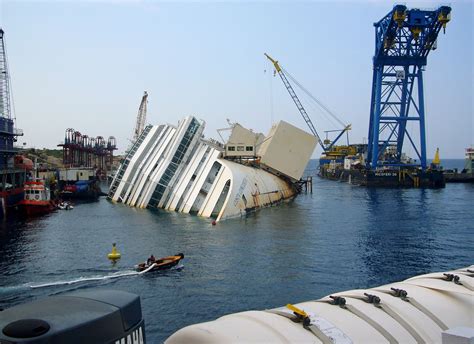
point(173, 168)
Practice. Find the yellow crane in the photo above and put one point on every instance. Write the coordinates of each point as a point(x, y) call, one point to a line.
point(282, 73)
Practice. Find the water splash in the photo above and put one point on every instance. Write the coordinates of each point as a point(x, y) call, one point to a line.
point(99, 278)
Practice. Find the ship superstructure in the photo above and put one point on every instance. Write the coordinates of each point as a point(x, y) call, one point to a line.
point(176, 168)
point(469, 162)
point(467, 173)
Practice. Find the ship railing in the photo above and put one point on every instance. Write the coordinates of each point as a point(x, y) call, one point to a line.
point(11, 132)
point(214, 143)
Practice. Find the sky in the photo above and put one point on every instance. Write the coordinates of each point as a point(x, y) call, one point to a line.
point(85, 65)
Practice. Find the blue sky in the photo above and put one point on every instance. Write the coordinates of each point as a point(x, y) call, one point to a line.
point(85, 65)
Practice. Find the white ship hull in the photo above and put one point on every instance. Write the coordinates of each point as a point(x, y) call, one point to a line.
point(174, 168)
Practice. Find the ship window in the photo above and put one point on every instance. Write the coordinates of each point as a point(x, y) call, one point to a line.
point(249, 148)
point(220, 202)
point(240, 148)
point(231, 148)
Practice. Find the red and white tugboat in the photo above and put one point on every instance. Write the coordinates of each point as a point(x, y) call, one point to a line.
point(37, 199)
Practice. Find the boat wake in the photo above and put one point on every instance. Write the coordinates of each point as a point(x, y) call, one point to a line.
point(99, 278)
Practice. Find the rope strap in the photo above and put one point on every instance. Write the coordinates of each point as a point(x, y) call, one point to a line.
point(375, 300)
point(402, 322)
point(426, 311)
point(372, 323)
point(457, 280)
point(402, 294)
point(341, 302)
point(321, 328)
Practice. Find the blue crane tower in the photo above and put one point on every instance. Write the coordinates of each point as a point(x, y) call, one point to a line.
point(403, 40)
point(8, 132)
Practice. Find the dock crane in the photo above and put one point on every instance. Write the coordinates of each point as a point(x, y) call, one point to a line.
point(5, 97)
point(326, 145)
point(403, 40)
point(141, 117)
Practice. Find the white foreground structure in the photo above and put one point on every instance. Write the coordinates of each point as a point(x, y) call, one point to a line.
point(175, 168)
point(433, 308)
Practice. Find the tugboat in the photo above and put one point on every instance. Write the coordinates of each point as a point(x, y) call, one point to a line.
point(37, 199)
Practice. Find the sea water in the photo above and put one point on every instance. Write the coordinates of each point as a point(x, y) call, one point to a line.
point(339, 237)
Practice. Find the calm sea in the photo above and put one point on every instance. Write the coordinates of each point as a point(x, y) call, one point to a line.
point(340, 237)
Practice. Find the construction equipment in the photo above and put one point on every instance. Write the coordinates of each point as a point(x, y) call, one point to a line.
point(5, 97)
point(141, 117)
point(80, 150)
point(404, 39)
point(326, 145)
point(8, 133)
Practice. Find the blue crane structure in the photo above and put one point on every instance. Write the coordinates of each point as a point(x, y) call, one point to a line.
point(8, 132)
point(403, 40)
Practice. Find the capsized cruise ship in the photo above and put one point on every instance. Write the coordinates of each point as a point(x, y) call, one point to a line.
point(176, 168)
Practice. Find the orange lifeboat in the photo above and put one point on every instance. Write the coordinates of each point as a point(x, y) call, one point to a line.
point(23, 163)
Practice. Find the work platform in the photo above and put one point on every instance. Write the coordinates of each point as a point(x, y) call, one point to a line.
point(402, 178)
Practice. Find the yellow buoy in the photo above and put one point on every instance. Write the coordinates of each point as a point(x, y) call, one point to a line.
point(114, 255)
point(436, 160)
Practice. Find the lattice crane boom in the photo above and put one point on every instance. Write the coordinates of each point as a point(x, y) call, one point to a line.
point(295, 99)
point(5, 97)
point(141, 117)
point(282, 73)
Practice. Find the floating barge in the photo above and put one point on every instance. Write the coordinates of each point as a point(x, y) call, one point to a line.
point(403, 39)
point(467, 174)
point(404, 178)
point(78, 183)
point(347, 164)
point(456, 177)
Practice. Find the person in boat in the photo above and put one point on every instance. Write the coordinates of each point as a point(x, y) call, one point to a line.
point(150, 260)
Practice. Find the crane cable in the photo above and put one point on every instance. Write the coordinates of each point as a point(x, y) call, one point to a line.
point(313, 97)
point(270, 79)
point(316, 109)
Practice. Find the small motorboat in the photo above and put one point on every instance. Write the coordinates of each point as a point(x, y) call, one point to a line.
point(65, 206)
point(164, 263)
